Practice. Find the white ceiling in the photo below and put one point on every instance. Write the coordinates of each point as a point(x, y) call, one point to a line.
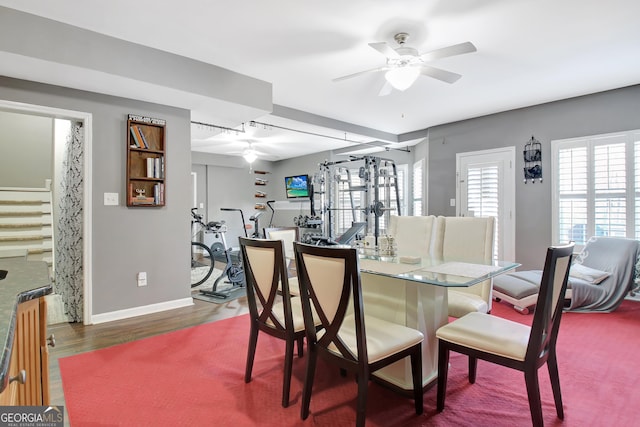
point(529, 52)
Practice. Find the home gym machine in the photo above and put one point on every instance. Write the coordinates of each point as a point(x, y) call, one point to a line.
point(369, 197)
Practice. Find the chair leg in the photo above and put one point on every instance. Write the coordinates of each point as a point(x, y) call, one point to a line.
point(443, 371)
point(473, 369)
point(416, 371)
point(552, 365)
point(312, 357)
point(301, 346)
point(533, 392)
point(288, 366)
point(251, 352)
point(361, 408)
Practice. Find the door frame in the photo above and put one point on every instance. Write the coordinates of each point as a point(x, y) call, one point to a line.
point(86, 119)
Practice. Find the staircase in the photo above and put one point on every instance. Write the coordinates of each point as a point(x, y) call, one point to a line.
point(26, 223)
point(26, 226)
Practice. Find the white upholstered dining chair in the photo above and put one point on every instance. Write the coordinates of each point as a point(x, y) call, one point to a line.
point(271, 308)
point(466, 239)
point(512, 344)
point(413, 235)
point(330, 287)
point(288, 235)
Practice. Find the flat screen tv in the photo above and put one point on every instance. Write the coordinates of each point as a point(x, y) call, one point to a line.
point(297, 186)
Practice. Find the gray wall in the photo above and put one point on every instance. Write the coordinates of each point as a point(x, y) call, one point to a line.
point(228, 182)
point(26, 144)
point(128, 240)
point(604, 112)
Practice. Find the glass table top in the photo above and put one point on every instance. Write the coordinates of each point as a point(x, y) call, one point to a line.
point(432, 271)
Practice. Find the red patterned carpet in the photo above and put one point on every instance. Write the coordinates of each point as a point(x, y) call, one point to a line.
point(194, 377)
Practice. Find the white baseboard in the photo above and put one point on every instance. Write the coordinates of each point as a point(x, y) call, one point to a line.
point(140, 311)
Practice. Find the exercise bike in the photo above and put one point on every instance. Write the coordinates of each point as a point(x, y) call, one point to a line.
point(203, 258)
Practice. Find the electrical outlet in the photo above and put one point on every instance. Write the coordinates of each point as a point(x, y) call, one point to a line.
point(142, 278)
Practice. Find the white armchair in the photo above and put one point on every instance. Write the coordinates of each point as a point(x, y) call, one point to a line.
point(466, 239)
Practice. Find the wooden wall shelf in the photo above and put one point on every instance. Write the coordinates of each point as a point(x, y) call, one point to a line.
point(146, 162)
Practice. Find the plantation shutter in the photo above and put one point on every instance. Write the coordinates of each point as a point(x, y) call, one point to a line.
point(597, 187)
point(483, 194)
point(572, 194)
point(417, 187)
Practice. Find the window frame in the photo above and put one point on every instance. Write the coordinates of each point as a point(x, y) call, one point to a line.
point(631, 141)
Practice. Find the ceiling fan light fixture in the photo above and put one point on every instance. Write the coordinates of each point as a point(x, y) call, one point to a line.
point(250, 155)
point(402, 78)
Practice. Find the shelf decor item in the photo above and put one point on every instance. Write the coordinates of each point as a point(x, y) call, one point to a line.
point(146, 161)
point(532, 154)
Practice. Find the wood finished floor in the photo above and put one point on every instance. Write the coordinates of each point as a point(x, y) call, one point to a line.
point(74, 338)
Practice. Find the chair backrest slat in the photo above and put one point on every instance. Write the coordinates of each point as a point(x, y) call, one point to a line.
point(549, 307)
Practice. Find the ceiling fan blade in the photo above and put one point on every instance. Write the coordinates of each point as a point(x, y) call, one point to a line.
point(437, 73)
point(456, 49)
point(384, 49)
point(386, 89)
point(373, 70)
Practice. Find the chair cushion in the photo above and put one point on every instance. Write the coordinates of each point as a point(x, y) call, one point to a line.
point(461, 303)
point(296, 314)
point(515, 287)
point(383, 338)
point(294, 287)
point(488, 333)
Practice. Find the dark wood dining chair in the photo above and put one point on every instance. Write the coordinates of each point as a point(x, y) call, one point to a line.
point(271, 308)
point(511, 344)
point(330, 290)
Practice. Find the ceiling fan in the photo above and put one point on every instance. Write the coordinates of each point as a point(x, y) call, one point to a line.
point(247, 149)
point(405, 64)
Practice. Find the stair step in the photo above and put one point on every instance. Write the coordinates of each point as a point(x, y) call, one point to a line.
point(24, 225)
point(23, 238)
point(23, 213)
point(23, 202)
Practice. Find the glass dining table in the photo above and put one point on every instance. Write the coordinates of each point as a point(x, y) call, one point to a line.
point(414, 292)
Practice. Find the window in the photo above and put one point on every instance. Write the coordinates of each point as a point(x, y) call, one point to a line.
point(596, 182)
point(418, 168)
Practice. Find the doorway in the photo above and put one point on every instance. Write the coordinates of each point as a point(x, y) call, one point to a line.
point(84, 121)
point(486, 187)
